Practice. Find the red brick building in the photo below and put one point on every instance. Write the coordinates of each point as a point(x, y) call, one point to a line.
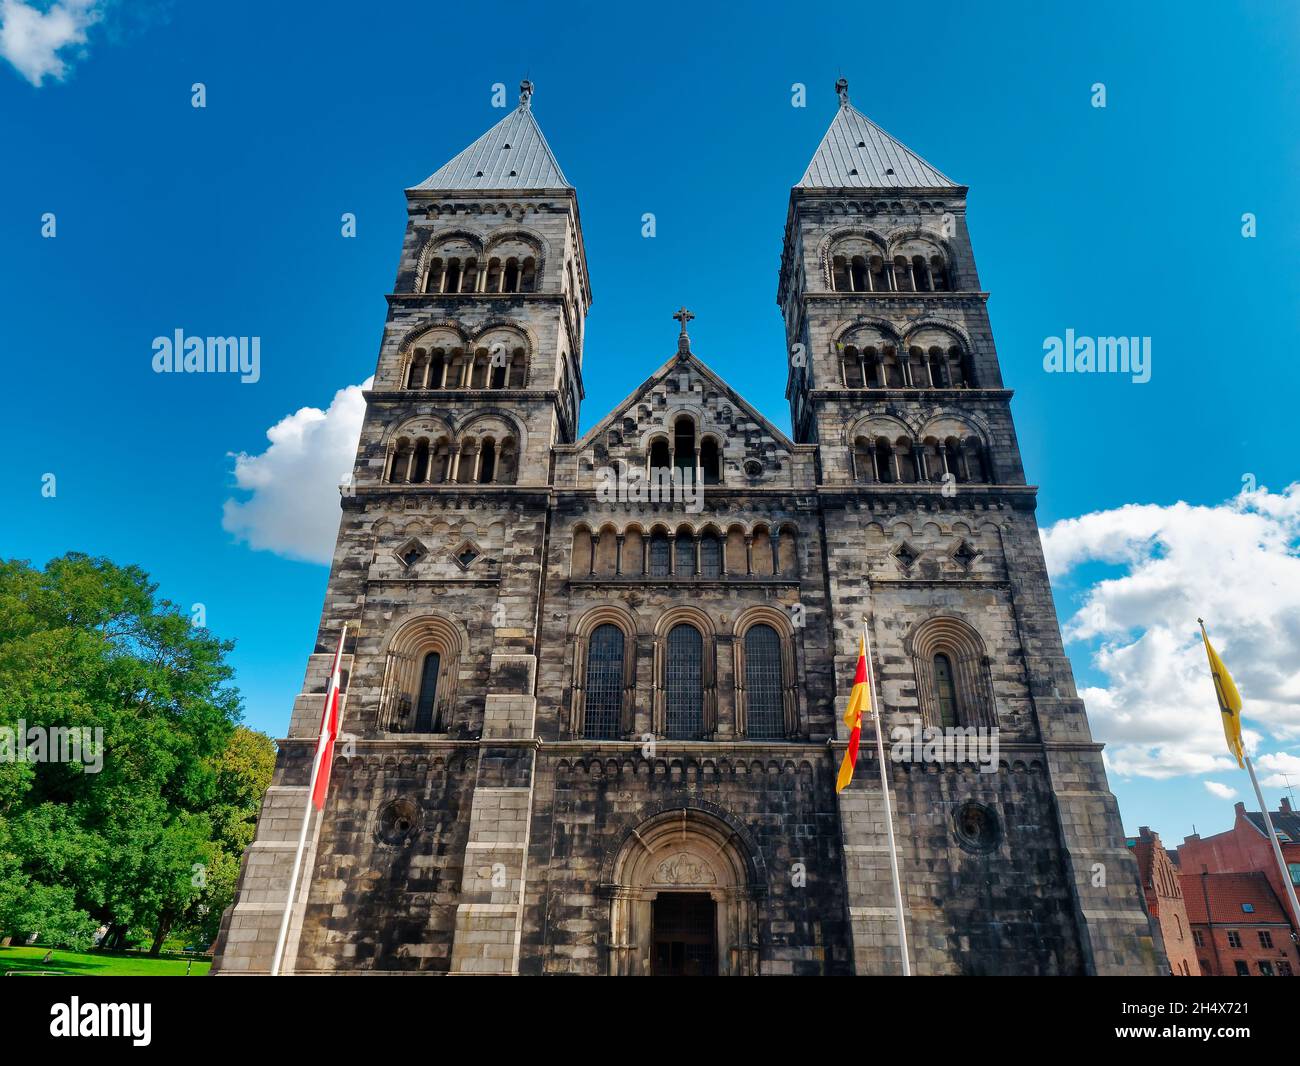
point(1245, 848)
point(1163, 889)
point(1238, 925)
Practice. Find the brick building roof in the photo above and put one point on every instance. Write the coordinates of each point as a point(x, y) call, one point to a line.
point(1227, 893)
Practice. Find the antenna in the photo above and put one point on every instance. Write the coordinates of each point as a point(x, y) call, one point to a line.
point(1289, 787)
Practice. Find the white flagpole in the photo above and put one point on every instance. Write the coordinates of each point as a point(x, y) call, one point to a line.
point(1277, 848)
point(877, 713)
point(306, 814)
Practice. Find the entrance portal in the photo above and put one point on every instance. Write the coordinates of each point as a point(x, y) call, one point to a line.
point(684, 889)
point(685, 935)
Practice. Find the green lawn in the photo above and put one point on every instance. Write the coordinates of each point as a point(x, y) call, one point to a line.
point(96, 964)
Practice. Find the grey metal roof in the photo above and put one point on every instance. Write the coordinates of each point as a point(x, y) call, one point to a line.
point(858, 154)
point(1284, 823)
point(513, 154)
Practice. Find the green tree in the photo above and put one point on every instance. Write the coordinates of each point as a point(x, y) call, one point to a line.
point(86, 643)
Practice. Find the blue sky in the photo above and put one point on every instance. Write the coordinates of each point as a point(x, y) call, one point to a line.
point(1124, 220)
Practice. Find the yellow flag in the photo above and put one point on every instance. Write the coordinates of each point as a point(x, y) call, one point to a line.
point(1229, 699)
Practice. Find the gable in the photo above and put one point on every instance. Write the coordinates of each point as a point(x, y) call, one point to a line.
point(752, 451)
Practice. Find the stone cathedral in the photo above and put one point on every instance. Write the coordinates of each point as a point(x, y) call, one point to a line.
point(595, 732)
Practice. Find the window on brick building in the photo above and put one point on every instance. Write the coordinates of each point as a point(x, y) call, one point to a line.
point(604, 688)
point(426, 705)
point(1243, 968)
point(945, 693)
point(684, 683)
point(1198, 938)
point(764, 684)
point(1234, 938)
point(1265, 938)
point(1283, 968)
point(1265, 968)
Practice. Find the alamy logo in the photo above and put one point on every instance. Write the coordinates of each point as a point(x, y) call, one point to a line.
point(61, 744)
point(179, 354)
point(631, 484)
point(1098, 355)
point(133, 1020)
point(915, 743)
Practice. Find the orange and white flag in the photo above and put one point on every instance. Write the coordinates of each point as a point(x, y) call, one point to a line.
point(859, 704)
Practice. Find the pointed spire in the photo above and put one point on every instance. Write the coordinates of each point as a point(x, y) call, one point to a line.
point(858, 154)
point(513, 154)
point(683, 339)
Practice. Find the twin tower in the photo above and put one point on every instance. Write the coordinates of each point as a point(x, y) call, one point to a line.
point(598, 734)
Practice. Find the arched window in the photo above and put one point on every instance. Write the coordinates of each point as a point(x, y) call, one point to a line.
point(953, 683)
point(441, 460)
point(487, 462)
point(858, 273)
point(659, 457)
point(840, 274)
point(945, 692)
point(468, 462)
point(399, 470)
point(684, 683)
point(709, 464)
point(851, 368)
point(420, 464)
point(764, 714)
point(938, 274)
point(426, 719)
point(710, 556)
point(660, 564)
point(506, 468)
point(685, 554)
point(864, 459)
point(419, 367)
point(603, 694)
point(518, 369)
point(684, 444)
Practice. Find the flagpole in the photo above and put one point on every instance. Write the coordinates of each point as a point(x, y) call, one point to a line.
point(878, 713)
point(1277, 848)
point(306, 821)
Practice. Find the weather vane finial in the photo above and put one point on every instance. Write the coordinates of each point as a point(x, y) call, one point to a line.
point(683, 339)
point(842, 91)
point(525, 94)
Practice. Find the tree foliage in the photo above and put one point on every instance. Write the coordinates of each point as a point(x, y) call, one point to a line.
point(145, 844)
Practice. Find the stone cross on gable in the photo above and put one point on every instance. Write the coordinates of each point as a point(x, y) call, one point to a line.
point(683, 340)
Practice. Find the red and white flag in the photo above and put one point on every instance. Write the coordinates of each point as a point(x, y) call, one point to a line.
point(329, 729)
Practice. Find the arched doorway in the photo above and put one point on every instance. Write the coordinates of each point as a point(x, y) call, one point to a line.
point(685, 889)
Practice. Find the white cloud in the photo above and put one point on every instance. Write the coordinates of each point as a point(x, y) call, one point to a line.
point(1234, 564)
point(33, 37)
point(1279, 770)
point(293, 509)
point(1224, 792)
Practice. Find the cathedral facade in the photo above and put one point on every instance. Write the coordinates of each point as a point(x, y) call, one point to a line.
point(595, 684)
